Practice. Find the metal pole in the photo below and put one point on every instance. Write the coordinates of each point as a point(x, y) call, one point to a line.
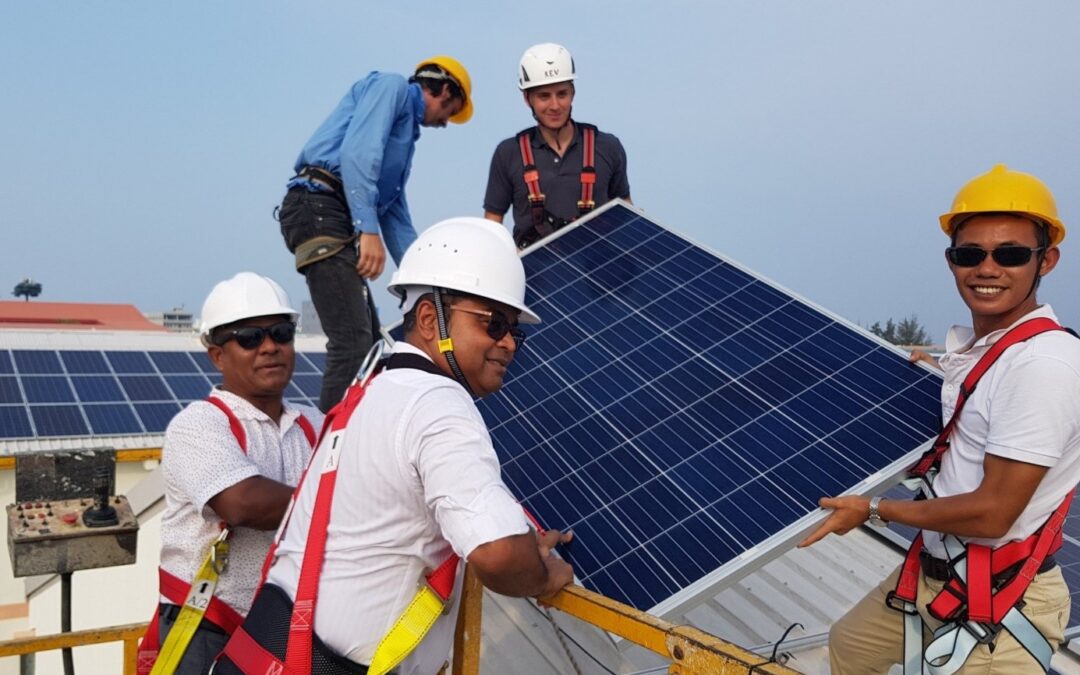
point(65, 619)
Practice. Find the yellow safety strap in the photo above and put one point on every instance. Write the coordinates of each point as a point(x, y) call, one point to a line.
point(410, 628)
point(194, 607)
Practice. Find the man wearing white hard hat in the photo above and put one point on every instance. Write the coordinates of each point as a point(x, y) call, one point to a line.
point(418, 484)
point(229, 463)
point(560, 169)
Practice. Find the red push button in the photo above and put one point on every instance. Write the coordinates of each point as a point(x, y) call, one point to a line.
point(70, 518)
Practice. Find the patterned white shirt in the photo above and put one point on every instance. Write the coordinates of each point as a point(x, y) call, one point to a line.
point(200, 458)
point(418, 478)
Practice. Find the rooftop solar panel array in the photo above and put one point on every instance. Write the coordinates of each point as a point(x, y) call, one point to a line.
point(50, 393)
point(676, 410)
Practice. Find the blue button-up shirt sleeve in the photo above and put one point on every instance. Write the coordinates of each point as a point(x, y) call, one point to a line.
point(398, 230)
point(382, 102)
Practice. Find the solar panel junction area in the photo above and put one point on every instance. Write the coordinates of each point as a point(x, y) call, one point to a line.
point(682, 415)
point(66, 393)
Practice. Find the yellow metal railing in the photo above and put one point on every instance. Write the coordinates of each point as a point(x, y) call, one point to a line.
point(133, 455)
point(128, 634)
point(691, 651)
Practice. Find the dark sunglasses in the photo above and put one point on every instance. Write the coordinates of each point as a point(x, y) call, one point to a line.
point(250, 337)
point(497, 325)
point(1006, 256)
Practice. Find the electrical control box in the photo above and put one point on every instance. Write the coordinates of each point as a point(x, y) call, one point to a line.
point(65, 517)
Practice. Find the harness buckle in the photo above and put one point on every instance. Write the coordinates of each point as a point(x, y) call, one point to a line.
point(584, 206)
point(425, 582)
point(894, 601)
point(219, 552)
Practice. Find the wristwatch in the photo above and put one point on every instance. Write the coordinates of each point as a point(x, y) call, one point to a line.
point(875, 517)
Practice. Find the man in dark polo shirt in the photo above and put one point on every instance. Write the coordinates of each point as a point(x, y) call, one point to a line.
point(560, 169)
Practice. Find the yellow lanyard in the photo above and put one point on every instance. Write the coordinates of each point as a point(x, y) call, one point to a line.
point(194, 607)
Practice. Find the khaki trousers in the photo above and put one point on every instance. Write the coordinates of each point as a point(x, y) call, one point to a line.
point(870, 637)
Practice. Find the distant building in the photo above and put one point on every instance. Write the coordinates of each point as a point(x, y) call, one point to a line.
point(309, 319)
point(177, 320)
point(72, 316)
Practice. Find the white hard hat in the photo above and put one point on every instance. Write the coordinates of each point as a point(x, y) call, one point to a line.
point(546, 63)
point(470, 255)
point(245, 296)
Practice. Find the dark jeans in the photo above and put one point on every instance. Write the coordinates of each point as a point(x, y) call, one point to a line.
point(341, 296)
point(204, 647)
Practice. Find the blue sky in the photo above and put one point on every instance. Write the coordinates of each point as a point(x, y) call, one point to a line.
point(146, 144)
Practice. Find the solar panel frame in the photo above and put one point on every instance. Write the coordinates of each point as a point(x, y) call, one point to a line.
point(638, 288)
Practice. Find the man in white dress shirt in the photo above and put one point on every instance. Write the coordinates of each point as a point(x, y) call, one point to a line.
point(417, 477)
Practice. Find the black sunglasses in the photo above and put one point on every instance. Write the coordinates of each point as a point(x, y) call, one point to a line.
point(497, 325)
point(250, 337)
point(1006, 256)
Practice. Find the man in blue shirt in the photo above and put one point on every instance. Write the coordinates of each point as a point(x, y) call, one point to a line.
point(346, 207)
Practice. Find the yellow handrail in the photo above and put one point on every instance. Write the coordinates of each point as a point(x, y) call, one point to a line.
point(692, 651)
point(129, 634)
point(132, 455)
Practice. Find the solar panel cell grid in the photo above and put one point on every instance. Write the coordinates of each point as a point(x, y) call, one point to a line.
point(158, 382)
point(14, 422)
point(675, 410)
point(9, 390)
point(36, 362)
point(59, 420)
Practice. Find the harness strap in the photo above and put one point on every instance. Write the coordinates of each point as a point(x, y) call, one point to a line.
point(251, 657)
point(588, 170)
point(234, 422)
point(931, 459)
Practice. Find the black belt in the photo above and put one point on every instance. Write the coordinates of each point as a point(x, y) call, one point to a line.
point(938, 569)
point(169, 612)
point(322, 177)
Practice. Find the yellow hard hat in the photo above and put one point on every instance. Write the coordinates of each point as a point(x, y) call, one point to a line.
point(457, 71)
point(1008, 191)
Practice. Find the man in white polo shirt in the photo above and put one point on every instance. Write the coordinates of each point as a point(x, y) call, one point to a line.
point(1009, 462)
point(230, 462)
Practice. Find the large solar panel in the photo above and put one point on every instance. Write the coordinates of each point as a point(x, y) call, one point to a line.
point(683, 415)
point(50, 393)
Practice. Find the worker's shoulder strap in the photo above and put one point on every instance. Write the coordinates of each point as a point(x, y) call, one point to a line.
point(931, 459)
point(234, 422)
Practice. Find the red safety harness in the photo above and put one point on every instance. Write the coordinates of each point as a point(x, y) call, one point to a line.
point(176, 589)
point(247, 654)
point(543, 222)
point(985, 584)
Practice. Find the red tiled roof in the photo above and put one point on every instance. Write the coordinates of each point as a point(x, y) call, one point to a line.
point(73, 316)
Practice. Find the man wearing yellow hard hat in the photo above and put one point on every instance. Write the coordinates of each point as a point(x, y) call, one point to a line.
point(980, 590)
point(345, 205)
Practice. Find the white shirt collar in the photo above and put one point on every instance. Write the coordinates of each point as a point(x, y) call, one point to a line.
point(243, 408)
point(403, 347)
point(962, 338)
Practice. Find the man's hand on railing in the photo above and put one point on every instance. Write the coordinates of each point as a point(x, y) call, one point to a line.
point(559, 572)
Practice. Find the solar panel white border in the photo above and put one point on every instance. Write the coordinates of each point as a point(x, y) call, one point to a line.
point(781, 541)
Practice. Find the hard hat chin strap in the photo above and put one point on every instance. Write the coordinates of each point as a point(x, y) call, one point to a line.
point(446, 345)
